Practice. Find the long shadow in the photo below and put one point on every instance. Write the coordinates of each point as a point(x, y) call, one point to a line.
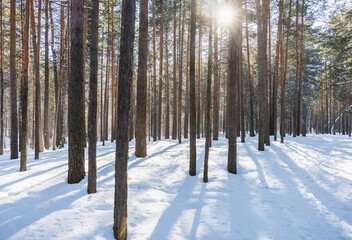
point(174, 211)
point(33, 175)
point(28, 207)
point(319, 193)
point(196, 219)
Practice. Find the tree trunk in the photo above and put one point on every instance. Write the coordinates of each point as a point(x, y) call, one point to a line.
point(234, 75)
point(167, 91)
point(208, 102)
point(262, 10)
point(35, 45)
point(276, 69)
point(55, 76)
point(300, 72)
point(181, 71)
point(186, 108)
point(192, 91)
point(93, 101)
point(250, 81)
point(76, 133)
point(1, 83)
point(124, 88)
point(46, 91)
point(161, 46)
point(295, 98)
point(284, 58)
point(216, 89)
point(24, 90)
point(199, 120)
point(13, 79)
point(154, 78)
point(174, 92)
point(141, 141)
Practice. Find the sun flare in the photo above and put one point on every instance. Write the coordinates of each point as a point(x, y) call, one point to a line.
point(225, 15)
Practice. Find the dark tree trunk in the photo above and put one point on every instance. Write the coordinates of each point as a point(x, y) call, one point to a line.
point(304, 115)
point(55, 76)
point(192, 91)
point(13, 79)
point(167, 90)
point(141, 141)
point(161, 67)
point(234, 75)
point(186, 107)
point(276, 70)
point(174, 92)
point(154, 120)
point(300, 89)
point(1, 83)
point(262, 10)
point(250, 81)
point(93, 100)
point(37, 83)
point(24, 90)
point(216, 89)
point(208, 103)
point(76, 133)
point(181, 71)
point(284, 57)
point(124, 98)
point(46, 91)
point(199, 120)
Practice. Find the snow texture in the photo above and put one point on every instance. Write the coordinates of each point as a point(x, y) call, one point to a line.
point(298, 190)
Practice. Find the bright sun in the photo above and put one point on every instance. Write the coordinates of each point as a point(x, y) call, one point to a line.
point(225, 15)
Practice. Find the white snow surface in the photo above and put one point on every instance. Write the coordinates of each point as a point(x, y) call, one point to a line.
point(301, 189)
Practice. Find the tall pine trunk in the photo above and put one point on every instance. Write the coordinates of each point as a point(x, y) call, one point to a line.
point(192, 91)
point(125, 83)
point(76, 133)
point(24, 90)
point(174, 92)
point(13, 80)
point(141, 141)
point(93, 101)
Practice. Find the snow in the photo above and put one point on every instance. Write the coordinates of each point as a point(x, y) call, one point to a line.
point(298, 190)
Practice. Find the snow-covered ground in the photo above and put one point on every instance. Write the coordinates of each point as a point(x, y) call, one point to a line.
point(298, 190)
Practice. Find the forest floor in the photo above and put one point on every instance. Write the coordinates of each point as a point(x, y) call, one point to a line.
point(298, 190)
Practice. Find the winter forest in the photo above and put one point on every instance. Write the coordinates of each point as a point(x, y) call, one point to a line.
point(175, 119)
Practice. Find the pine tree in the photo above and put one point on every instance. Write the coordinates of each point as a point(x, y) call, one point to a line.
point(76, 133)
point(124, 99)
point(141, 148)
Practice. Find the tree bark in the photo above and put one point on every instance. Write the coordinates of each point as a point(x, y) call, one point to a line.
point(24, 89)
point(174, 92)
point(93, 101)
point(181, 71)
point(161, 46)
point(216, 89)
point(76, 133)
point(46, 76)
point(13, 79)
point(233, 78)
point(1, 83)
point(192, 91)
point(276, 69)
point(124, 98)
point(167, 90)
point(199, 78)
point(208, 102)
point(141, 141)
point(154, 120)
point(250, 81)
